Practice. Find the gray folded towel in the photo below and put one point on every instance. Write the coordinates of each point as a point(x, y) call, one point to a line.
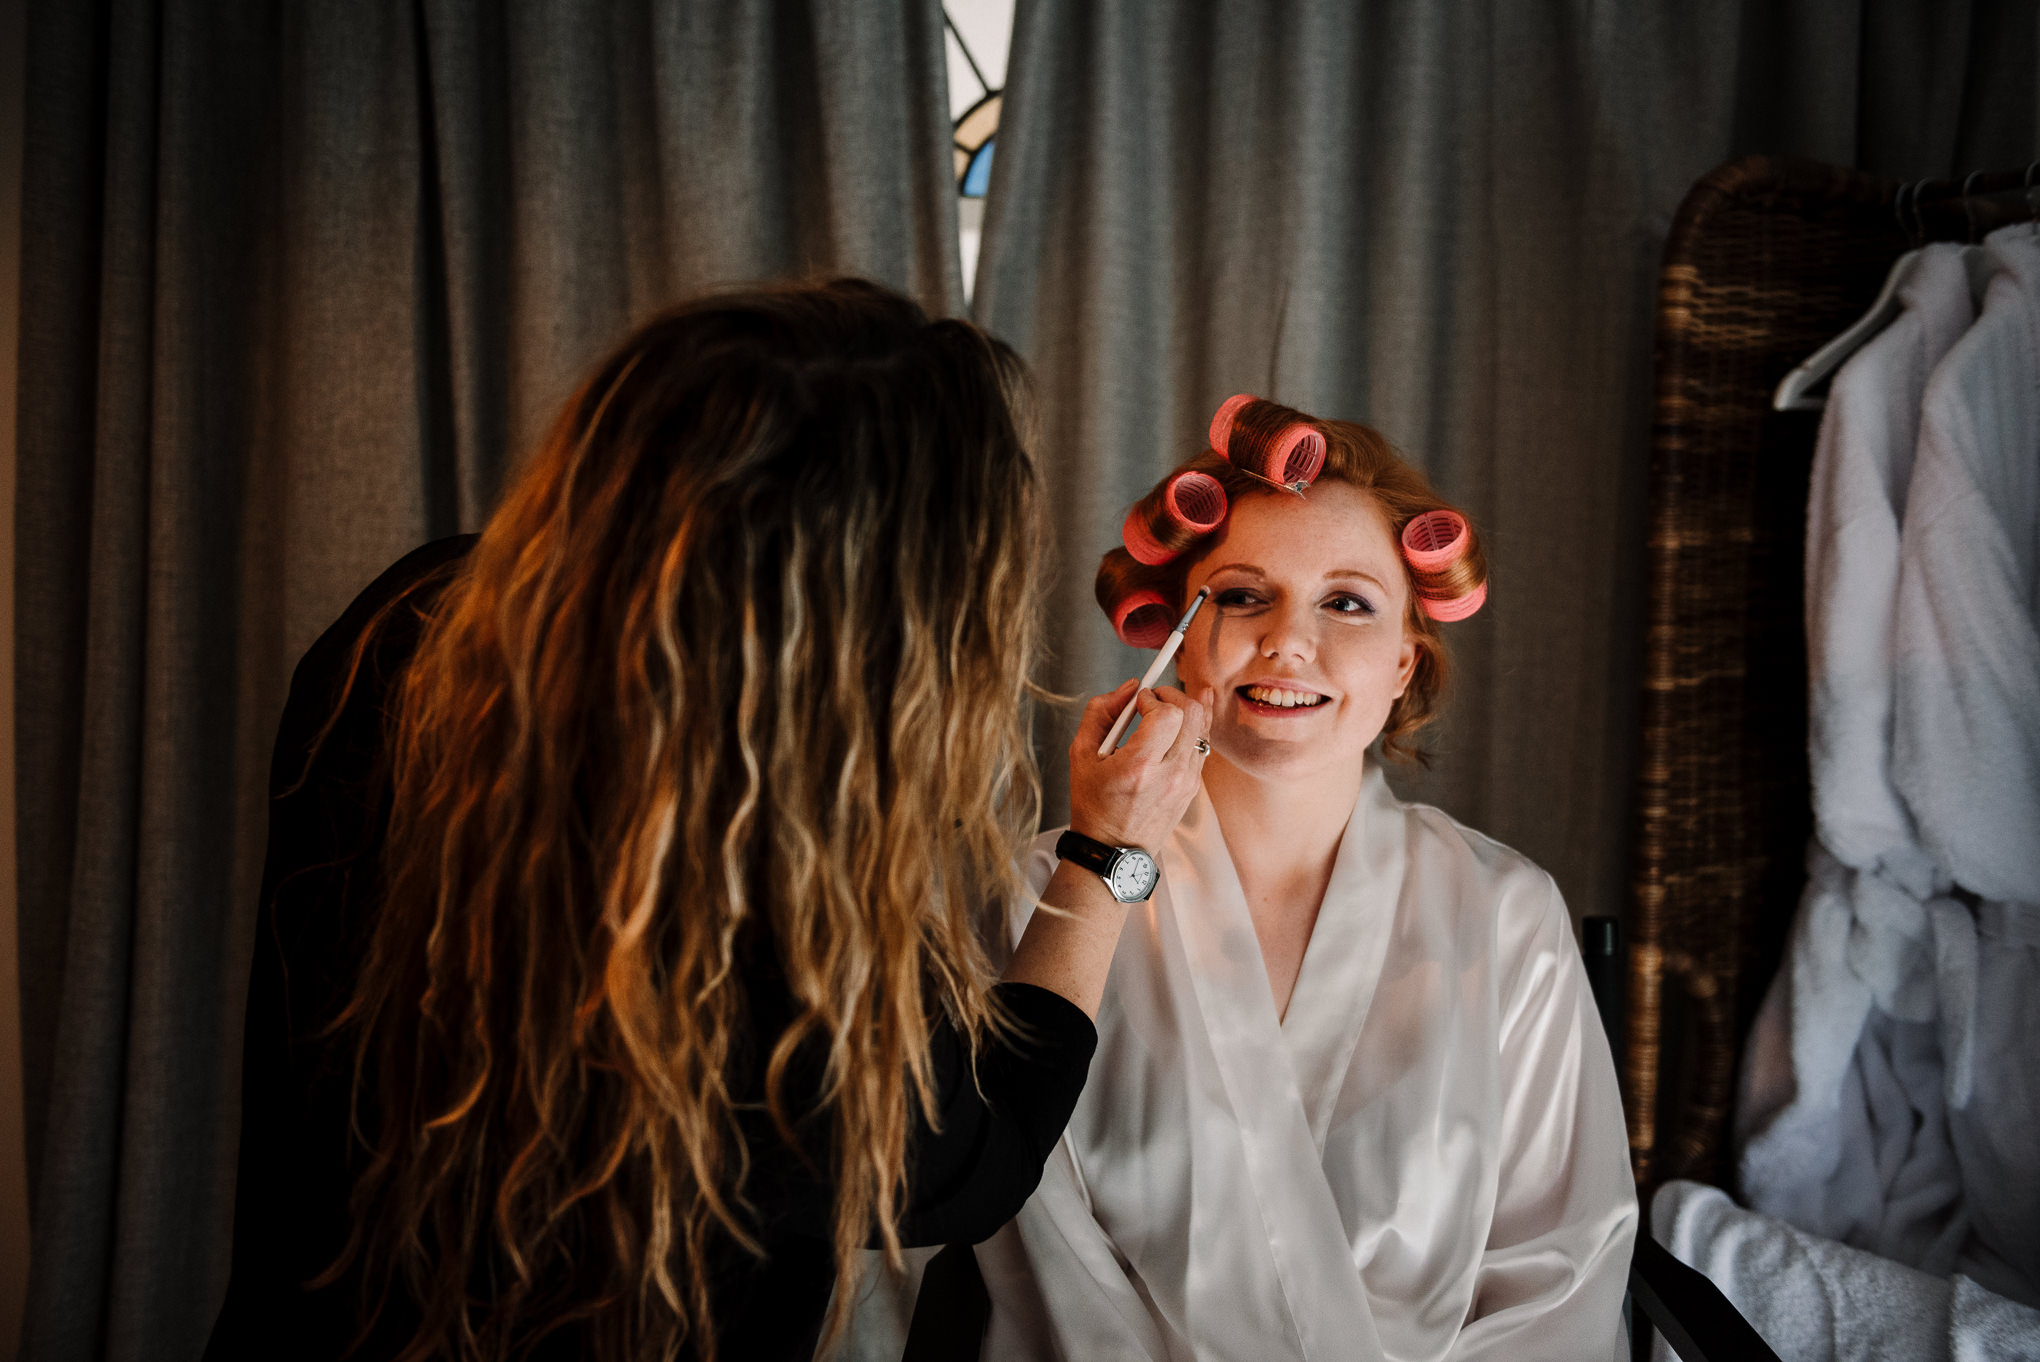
point(1815, 1300)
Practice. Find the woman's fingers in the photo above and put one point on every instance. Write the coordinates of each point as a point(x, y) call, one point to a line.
point(1135, 796)
point(1099, 712)
point(1161, 719)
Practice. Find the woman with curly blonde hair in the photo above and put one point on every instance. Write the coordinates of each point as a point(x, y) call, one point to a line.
point(1351, 1098)
point(619, 973)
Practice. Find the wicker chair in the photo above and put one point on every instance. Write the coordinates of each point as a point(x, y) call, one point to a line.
point(1768, 259)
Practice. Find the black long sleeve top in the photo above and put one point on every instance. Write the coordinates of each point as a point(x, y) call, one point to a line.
point(298, 1160)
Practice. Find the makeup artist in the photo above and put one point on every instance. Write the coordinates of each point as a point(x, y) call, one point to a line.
point(618, 973)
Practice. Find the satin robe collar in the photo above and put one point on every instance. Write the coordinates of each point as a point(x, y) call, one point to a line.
point(1284, 1109)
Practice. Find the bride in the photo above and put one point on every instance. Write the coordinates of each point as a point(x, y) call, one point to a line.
point(1351, 1098)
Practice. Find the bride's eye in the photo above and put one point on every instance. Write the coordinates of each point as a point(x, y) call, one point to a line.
point(1349, 605)
point(1234, 597)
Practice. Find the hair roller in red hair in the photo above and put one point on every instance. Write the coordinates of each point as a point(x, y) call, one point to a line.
point(1143, 619)
point(1435, 545)
point(1162, 524)
point(1222, 420)
point(1269, 440)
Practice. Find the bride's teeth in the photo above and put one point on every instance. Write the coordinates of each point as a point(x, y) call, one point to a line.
point(1280, 699)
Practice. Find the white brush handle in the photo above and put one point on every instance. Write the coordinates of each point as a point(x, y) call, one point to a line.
point(1154, 674)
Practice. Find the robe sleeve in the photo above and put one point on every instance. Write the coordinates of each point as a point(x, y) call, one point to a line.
point(1552, 1275)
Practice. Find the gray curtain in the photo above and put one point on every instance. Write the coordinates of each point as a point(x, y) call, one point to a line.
point(299, 283)
point(1444, 220)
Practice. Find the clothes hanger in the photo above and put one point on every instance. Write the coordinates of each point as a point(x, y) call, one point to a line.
point(1792, 394)
point(1977, 261)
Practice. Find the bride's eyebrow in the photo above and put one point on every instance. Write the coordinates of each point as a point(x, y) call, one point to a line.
point(1336, 575)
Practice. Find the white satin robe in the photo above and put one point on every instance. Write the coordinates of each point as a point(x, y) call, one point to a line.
point(1424, 1159)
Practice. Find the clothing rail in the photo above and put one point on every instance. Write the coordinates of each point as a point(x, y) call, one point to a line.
point(1968, 208)
point(1768, 258)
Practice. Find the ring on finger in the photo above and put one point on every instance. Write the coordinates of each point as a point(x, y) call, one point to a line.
point(1203, 746)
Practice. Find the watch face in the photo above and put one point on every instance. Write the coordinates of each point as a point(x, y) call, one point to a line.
point(1133, 879)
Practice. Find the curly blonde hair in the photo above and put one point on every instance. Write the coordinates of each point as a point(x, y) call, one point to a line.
point(1360, 457)
point(739, 666)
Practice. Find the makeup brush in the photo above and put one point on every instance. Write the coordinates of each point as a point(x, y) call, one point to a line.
point(1154, 672)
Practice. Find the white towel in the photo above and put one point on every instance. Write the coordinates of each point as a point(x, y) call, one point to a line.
point(1814, 1300)
point(1989, 1328)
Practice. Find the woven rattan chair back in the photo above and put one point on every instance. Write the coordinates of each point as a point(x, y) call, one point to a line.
point(1768, 259)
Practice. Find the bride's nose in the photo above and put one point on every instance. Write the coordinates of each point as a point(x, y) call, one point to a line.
point(1288, 636)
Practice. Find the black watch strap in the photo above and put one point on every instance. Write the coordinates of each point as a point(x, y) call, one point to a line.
point(1088, 852)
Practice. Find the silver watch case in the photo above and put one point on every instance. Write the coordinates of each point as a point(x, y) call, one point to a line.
point(1132, 875)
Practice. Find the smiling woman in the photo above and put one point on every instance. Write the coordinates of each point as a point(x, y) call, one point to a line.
point(1352, 522)
point(1346, 1020)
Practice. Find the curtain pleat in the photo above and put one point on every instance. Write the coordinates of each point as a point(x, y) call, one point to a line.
point(300, 285)
point(1444, 220)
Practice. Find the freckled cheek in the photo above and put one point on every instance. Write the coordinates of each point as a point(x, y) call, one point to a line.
point(1364, 668)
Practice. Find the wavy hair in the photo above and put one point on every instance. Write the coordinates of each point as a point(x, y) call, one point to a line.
point(1362, 458)
point(739, 665)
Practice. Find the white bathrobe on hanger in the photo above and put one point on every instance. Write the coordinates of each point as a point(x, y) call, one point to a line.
point(1424, 1159)
point(1842, 1108)
point(1967, 730)
point(1968, 638)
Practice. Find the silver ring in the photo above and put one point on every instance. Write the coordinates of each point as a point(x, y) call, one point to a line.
point(1203, 748)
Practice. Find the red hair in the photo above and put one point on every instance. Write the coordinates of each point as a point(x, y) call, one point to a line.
point(1361, 458)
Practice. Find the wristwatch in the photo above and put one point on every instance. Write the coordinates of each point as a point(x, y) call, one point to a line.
point(1128, 872)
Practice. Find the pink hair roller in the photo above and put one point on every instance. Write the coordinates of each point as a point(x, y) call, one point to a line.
point(1193, 502)
point(1292, 459)
point(1221, 423)
point(1432, 543)
point(1445, 612)
point(1434, 540)
point(1143, 619)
